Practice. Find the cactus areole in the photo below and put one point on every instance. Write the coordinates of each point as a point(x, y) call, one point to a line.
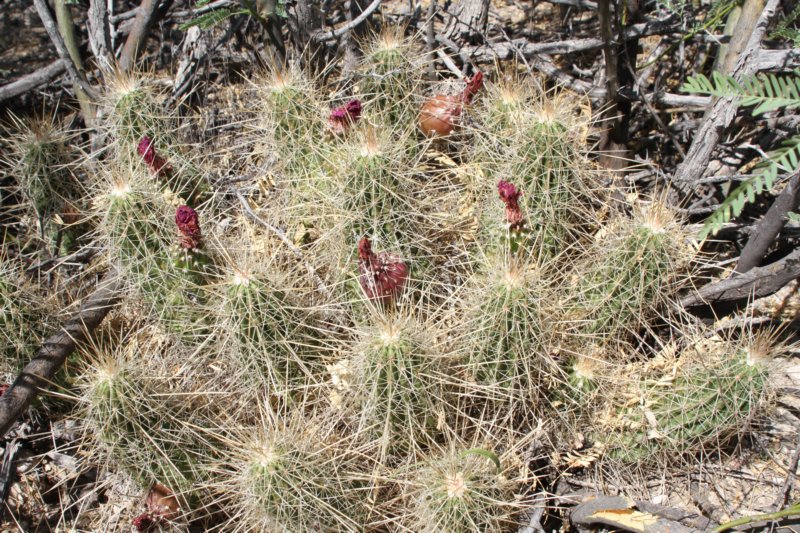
point(382, 276)
point(440, 114)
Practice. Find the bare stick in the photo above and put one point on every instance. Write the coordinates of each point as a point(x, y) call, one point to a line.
point(430, 40)
point(52, 31)
point(613, 511)
point(757, 282)
point(322, 37)
point(285, 240)
point(138, 35)
point(449, 63)
point(39, 372)
point(99, 29)
point(32, 80)
point(770, 226)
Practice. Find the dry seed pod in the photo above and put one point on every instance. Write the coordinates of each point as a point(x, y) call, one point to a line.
point(162, 503)
point(440, 114)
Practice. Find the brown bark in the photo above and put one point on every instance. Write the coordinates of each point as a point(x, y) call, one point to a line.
point(467, 21)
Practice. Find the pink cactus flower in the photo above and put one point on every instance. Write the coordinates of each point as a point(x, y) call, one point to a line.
point(382, 276)
point(343, 117)
point(158, 165)
point(509, 194)
point(189, 227)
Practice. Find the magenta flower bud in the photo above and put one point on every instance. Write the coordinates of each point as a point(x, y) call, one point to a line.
point(343, 117)
point(382, 276)
point(189, 227)
point(158, 165)
point(509, 194)
point(353, 108)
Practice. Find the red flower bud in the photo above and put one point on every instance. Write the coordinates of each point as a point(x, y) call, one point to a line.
point(509, 194)
point(158, 165)
point(189, 227)
point(474, 85)
point(382, 276)
point(145, 522)
point(341, 118)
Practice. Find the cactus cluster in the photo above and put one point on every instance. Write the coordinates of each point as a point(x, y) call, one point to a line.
point(697, 404)
point(319, 360)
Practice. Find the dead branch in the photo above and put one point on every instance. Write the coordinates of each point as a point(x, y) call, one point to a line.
point(137, 37)
point(770, 226)
point(778, 60)
point(194, 53)
point(685, 101)
point(755, 283)
point(77, 79)
point(623, 513)
point(328, 36)
point(751, 10)
point(722, 112)
point(467, 20)
point(508, 50)
point(39, 372)
point(33, 80)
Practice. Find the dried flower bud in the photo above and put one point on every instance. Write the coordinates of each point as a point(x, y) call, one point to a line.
point(343, 117)
point(382, 276)
point(189, 227)
point(509, 194)
point(158, 165)
point(440, 114)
